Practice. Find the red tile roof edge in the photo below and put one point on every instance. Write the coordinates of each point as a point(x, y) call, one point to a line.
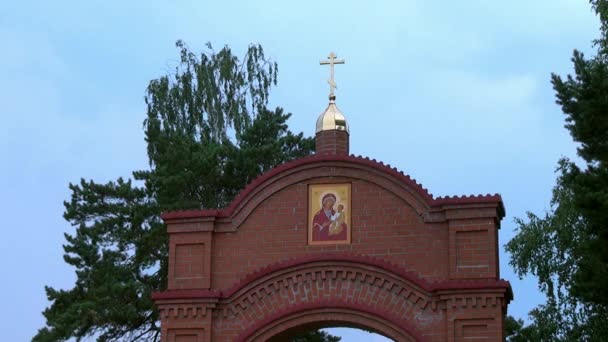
point(404, 178)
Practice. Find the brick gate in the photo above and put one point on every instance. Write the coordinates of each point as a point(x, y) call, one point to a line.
point(403, 263)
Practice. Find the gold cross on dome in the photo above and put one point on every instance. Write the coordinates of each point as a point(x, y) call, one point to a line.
point(331, 60)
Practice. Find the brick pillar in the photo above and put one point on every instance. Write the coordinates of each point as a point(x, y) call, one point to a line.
point(332, 142)
point(190, 250)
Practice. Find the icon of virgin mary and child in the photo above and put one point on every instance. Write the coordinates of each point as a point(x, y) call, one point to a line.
point(329, 224)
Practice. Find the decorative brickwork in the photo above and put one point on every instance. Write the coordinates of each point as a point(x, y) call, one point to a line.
point(418, 268)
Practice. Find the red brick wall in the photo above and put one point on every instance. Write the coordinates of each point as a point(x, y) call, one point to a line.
point(418, 268)
point(382, 225)
point(332, 142)
point(474, 248)
point(190, 260)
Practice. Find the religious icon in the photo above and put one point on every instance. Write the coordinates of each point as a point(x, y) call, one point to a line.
point(329, 214)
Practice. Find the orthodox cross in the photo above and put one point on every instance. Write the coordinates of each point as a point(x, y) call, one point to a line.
point(331, 60)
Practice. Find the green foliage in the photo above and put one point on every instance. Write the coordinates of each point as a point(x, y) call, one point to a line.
point(189, 116)
point(584, 101)
point(551, 248)
point(316, 336)
point(601, 9)
point(516, 332)
point(119, 249)
point(566, 248)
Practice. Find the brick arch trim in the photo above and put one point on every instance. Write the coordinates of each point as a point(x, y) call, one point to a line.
point(334, 312)
point(269, 182)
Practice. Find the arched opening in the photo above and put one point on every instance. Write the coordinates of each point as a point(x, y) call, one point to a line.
point(344, 330)
point(348, 334)
point(287, 326)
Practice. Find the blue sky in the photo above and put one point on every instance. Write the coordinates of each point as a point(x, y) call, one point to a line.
point(454, 93)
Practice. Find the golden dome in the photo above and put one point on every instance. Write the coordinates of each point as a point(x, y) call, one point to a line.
point(332, 118)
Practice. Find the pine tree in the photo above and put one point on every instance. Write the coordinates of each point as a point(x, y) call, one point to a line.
point(566, 249)
point(209, 133)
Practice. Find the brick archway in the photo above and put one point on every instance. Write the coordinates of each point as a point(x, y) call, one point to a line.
point(345, 289)
point(418, 268)
point(286, 324)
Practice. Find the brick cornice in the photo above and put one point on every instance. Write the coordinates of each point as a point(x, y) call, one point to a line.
point(186, 294)
point(424, 292)
point(183, 310)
